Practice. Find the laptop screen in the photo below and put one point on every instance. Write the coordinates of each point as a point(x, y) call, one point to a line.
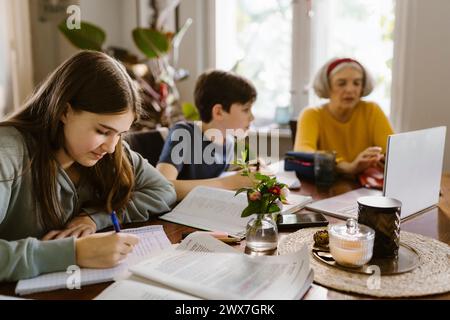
point(414, 167)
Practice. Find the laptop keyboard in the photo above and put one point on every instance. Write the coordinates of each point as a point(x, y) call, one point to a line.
point(351, 211)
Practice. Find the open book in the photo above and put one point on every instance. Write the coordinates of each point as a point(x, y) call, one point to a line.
point(204, 267)
point(151, 239)
point(217, 209)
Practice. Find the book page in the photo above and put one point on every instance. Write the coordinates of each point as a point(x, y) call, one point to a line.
point(229, 276)
point(217, 209)
point(289, 178)
point(136, 288)
point(211, 209)
point(201, 242)
point(151, 240)
point(2, 297)
point(296, 202)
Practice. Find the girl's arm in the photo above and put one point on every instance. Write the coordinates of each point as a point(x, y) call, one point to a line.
point(28, 257)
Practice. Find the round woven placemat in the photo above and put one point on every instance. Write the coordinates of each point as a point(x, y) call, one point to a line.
point(431, 276)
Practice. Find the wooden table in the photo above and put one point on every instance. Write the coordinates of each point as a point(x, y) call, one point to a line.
point(434, 223)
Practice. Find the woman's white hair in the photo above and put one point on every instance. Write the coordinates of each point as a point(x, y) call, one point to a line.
point(321, 83)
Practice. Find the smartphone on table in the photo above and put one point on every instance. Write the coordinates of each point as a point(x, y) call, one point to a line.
point(301, 220)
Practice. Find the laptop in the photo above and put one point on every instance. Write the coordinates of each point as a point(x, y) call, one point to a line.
point(412, 174)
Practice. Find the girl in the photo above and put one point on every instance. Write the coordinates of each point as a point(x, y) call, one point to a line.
point(64, 168)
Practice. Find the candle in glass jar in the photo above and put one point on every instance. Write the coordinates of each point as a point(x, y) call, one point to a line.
point(351, 244)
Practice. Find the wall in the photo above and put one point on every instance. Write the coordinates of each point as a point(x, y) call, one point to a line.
point(108, 15)
point(116, 17)
point(423, 65)
point(50, 48)
point(193, 54)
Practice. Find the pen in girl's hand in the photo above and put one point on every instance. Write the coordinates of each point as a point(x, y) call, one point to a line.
point(115, 221)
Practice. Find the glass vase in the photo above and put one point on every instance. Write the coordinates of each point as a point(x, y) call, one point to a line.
point(262, 233)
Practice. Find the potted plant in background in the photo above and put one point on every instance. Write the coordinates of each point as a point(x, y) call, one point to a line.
point(155, 75)
point(265, 200)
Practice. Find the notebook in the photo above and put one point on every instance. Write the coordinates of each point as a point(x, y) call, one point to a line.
point(152, 239)
point(412, 174)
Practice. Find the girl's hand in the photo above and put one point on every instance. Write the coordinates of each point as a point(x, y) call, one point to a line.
point(104, 250)
point(78, 227)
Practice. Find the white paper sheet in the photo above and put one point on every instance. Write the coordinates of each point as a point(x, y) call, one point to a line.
point(219, 275)
point(136, 288)
point(152, 239)
point(203, 266)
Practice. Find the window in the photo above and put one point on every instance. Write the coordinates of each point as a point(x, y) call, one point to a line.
point(280, 44)
point(254, 38)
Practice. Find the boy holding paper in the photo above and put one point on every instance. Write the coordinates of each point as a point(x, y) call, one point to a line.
point(197, 153)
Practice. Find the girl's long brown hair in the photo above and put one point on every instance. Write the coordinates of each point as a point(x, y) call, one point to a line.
point(88, 81)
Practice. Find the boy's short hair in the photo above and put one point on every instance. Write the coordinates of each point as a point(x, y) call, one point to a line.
point(221, 87)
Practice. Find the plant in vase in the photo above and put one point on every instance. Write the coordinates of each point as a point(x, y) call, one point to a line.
point(265, 201)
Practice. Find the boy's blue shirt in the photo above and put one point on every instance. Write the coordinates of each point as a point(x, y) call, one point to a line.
point(196, 157)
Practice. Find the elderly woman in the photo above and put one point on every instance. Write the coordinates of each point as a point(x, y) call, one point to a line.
point(355, 129)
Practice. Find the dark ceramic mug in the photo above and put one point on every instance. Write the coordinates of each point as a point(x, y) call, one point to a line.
point(383, 215)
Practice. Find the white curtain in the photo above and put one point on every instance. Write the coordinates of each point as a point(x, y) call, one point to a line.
point(6, 96)
point(404, 18)
point(16, 79)
point(421, 68)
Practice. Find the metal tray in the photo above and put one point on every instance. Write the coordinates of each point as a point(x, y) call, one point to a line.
point(407, 260)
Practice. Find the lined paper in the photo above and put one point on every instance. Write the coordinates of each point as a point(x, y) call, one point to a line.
point(152, 239)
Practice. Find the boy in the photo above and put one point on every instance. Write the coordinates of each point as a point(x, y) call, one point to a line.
point(197, 153)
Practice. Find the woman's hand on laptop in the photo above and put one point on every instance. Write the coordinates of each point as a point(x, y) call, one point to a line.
point(370, 157)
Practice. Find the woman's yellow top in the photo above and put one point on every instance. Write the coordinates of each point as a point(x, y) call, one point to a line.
point(317, 129)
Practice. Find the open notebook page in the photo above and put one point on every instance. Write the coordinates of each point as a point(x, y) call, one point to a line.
point(151, 240)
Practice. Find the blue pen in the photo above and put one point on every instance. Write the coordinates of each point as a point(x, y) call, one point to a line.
point(115, 221)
